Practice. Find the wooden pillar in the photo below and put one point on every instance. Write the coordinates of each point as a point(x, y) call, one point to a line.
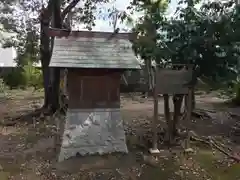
point(188, 117)
point(154, 148)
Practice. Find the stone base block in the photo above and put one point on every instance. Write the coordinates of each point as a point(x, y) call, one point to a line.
point(92, 131)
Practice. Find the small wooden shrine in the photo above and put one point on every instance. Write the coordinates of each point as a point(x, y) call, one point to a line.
point(95, 62)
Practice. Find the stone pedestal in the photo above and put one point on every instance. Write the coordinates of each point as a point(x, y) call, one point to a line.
point(92, 131)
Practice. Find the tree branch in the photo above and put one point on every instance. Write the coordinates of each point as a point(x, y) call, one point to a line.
point(57, 20)
point(69, 8)
point(46, 13)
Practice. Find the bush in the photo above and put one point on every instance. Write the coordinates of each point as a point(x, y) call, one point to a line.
point(33, 76)
point(15, 79)
point(23, 77)
point(2, 86)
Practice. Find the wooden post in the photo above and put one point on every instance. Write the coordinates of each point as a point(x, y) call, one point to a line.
point(189, 109)
point(188, 117)
point(167, 118)
point(154, 148)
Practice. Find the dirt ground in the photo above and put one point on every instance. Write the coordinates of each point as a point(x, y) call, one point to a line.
point(27, 149)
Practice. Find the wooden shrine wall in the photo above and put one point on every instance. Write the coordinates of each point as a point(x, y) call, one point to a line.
point(93, 89)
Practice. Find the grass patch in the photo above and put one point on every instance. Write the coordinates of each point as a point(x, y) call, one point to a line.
point(166, 170)
point(216, 167)
point(4, 175)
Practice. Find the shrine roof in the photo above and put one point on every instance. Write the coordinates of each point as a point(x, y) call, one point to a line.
point(88, 49)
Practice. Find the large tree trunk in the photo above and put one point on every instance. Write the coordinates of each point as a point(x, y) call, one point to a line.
point(45, 55)
point(55, 89)
point(50, 92)
point(51, 76)
point(57, 23)
point(46, 79)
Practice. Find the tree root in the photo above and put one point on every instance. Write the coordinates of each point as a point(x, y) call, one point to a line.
point(29, 117)
point(220, 147)
point(36, 114)
point(206, 113)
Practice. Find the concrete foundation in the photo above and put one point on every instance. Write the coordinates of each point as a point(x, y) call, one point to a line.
point(92, 131)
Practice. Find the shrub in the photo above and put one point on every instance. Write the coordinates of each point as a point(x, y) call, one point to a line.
point(33, 76)
point(15, 79)
point(22, 77)
point(2, 87)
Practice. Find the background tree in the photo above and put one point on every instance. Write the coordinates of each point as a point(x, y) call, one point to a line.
point(207, 38)
point(147, 41)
